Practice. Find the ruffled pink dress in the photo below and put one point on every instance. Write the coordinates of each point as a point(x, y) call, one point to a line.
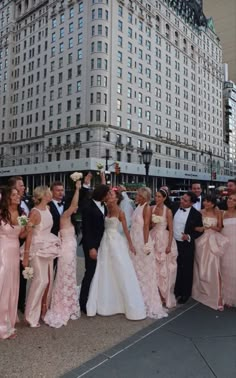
point(206, 272)
point(166, 264)
point(65, 297)
point(9, 278)
point(44, 247)
point(145, 267)
point(228, 263)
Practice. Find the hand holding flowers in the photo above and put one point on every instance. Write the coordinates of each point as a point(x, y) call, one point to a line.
point(23, 220)
point(76, 176)
point(28, 273)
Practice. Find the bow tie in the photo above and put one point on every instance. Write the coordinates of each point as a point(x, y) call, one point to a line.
point(60, 204)
point(198, 199)
point(182, 209)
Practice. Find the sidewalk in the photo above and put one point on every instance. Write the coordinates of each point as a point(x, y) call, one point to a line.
point(194, 342)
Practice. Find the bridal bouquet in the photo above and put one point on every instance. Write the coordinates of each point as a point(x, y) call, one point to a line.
point(156, 218)
point(28, 273)
point(76, 176)
point(100, 166)
point(22, 220)
point(206, 222)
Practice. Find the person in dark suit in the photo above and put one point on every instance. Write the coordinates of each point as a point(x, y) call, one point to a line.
point(25, 205)
point(93, 216)
point(186, 219)
point(231, 189)
point(197, 189)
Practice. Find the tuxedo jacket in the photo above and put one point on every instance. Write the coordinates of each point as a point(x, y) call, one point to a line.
point(92, 226)
point(194, 220)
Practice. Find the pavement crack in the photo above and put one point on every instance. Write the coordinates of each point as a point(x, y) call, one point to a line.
point(203, 358)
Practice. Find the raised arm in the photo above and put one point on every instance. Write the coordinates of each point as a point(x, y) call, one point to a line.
point(34, 219)
point(126, 231)
point(74, 203)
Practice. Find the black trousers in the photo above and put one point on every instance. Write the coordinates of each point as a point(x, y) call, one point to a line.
point(184, 279)
point(22, 290)
point(90, 267)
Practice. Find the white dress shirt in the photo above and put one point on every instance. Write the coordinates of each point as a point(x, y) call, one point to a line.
point(24, 207)
point(100, 206)
point(60, 209)
point(179, 223)
point(198, 205)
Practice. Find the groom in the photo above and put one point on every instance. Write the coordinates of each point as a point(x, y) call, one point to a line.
point(93, 216)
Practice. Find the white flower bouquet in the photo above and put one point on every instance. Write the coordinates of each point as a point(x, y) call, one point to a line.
point(23, 220)
point(28, 273)
point(156, 218)
point(100, 166)
point(76, 176)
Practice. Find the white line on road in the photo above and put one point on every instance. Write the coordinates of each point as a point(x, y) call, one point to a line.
point(138, 340)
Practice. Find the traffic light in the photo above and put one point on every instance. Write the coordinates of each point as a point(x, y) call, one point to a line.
point(213, 175)
point(117, 169)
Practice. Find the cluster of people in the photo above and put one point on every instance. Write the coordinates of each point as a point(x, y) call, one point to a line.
point(139, 260)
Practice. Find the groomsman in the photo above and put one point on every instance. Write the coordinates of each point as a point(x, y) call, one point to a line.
point(93, 216)
point(231, 189)
point(25, 205)
point(197, 189)
point(186, 219)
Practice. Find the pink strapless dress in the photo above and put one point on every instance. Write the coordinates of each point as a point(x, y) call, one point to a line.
point(145, 267)
point(65, 296)
point(9, 278)
point(166, 264)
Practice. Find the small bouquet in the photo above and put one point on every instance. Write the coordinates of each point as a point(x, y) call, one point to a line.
point(22, 220)
point(76, 176)
point(206, 222)
point(147, 248)
point(156, 218)
point(100, 166)
point(28, 273)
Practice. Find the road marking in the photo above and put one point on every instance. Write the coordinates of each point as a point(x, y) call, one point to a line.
point(138, 340)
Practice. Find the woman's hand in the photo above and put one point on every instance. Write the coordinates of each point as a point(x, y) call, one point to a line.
point(78, 184)
point(25, 261)
point(168, 249)
point(132, 249)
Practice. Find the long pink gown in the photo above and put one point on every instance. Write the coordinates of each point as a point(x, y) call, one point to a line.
point(228, 263)
point(206, 272)
point(166, 264)
point(145, 267)
point(9, 278)
point(44, 247)
point(65, 296)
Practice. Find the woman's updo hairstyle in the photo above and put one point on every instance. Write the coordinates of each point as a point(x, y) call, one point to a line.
point(38, 193)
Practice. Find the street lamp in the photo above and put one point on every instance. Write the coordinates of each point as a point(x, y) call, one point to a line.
point(147, 158)
point(211, 164)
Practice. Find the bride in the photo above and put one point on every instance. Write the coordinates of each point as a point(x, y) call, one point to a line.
point(115, 288)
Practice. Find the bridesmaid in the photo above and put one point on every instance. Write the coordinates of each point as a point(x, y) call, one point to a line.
point(144, 259)
point(228, 260)
point(207, 287)
point(40, 247)
point(65, 302)
point(165, 248)
point(10, 232)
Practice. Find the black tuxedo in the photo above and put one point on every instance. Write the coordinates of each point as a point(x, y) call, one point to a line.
point(223, 205)
point(55, 217)
point(185, 259)
point(92, 229)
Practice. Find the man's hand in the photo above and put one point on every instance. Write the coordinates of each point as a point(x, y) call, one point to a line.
point(93, 254)
point(185, 237)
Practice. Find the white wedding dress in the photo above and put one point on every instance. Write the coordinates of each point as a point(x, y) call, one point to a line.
point(115, 288)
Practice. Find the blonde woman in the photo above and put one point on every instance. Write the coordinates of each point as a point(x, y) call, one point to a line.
point(40, 248)
point(144, 259)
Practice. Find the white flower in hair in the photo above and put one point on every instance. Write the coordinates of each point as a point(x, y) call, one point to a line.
point(76, 176)
point(28, 273)
point(22, 220)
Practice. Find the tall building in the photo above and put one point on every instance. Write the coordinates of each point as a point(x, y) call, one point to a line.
point(229, 96)
point(224, 17)
point(81, 80)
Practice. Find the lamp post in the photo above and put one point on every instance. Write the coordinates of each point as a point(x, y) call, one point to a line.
point(147, 158)
point(211, 164)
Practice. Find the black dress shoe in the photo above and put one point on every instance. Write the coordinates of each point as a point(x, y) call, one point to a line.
point(183, 300)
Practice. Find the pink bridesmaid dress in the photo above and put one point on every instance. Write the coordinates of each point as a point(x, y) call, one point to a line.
point(44, 247)
point(65, 296)
point(228, 263)
point(166, 264)
point(145, 267)
point(9, 278)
